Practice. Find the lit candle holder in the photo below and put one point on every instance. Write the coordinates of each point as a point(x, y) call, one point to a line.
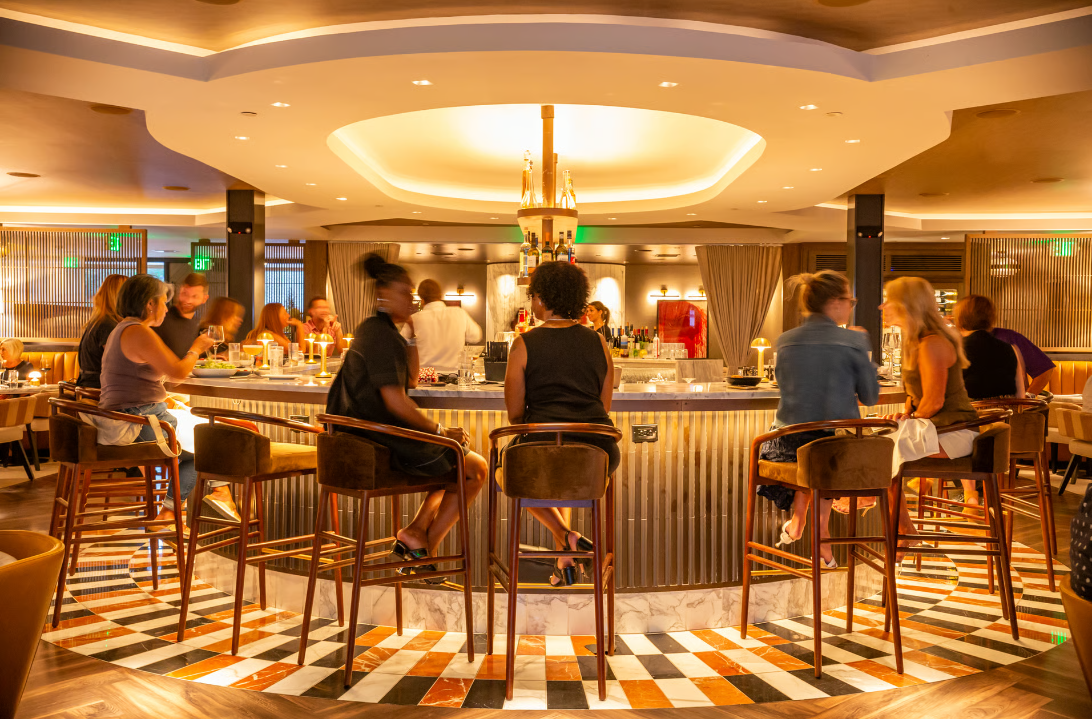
point(323, 341)
point(265, 338)
point(311, 348)
point(35, 378)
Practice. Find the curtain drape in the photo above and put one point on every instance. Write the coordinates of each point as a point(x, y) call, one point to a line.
point(740, 281)
point(353, 291)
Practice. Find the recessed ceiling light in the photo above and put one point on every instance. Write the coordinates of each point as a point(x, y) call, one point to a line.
point(241, 137)
point(343, 199)
point(996, 114)
point(281, 166)
point(23, 174)
point(421, 82)
point(816, 169)
point(691, 214)
point(280, 104)
point(494, 218)
point(853, 142)
point(787, 187)
point(612, 218)
point(176, 188)
point(110, 110)
point(945, 238)
point(309, 184)
point(761, 202)
point(668, 84)
point(809, 107)
point(416, 212)
point(932, 194)
point(1046, 180)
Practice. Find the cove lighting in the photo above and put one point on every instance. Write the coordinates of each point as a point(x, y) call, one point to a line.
point(421, 83)
point(281, 104)
point(809, 107)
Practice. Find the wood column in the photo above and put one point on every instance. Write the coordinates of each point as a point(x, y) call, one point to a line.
point(864, 264)
point(246, 252)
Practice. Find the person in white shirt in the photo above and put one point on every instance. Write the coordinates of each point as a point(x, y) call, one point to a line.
point(441, 332)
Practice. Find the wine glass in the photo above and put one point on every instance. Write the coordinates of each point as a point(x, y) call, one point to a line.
point(216, 334)
point(47, 364)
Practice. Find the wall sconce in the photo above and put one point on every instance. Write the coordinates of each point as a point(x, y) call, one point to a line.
point(699, 295)
point(459, 294)
point(663, 294)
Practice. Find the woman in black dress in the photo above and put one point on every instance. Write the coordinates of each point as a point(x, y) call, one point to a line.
point(376, 370)
point(599, 315)
point(561, 371)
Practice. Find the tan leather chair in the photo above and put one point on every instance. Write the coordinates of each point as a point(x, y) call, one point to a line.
point(241, 456)
point(74, 444)
point(352, 466)
point(555, 473)
point(15, 417)
point(25, 588)
point(1054, 436)
point(988, 463)
point(1076, 426)
point(1078, 613)
point(842, 466)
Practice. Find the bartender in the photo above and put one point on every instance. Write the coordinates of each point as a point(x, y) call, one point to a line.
point(441, 331)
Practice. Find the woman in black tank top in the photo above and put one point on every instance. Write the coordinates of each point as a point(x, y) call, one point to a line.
point(561, 371)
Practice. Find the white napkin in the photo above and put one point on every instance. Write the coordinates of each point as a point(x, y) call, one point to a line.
point(914, 439)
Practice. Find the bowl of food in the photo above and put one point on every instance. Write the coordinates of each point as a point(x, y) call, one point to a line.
point(214, 368)
point(738, 380)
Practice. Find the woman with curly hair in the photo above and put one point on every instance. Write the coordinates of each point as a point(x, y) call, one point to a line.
point(561, 371)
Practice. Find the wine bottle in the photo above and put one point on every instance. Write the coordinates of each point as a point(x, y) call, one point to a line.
point(548, 250)
point(571, 247)
point(534, 255)
point(524, 251)
point(528, 198)
point(655, 343)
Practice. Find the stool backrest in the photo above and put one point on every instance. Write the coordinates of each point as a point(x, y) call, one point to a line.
point(1055, 407)
point(846, 463)
point(230, 450)
point(1075, 424)
point(548, 470)
point(1028, 421)
point(990, 452)
point(70, 439)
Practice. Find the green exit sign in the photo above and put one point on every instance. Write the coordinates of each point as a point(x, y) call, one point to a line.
point(113, 242)
point(202, 264)
point(71, 262)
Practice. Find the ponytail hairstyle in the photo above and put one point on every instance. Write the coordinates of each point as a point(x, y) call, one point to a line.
point(917, 302)
point(818, 289)
point(384, 273)
point(603, 310)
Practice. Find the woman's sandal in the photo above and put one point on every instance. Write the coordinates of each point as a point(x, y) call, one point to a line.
point(844, 508)
point(566, 576)
point(401, 550)
point(787, 538)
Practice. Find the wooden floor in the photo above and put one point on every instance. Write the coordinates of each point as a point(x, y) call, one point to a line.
point(67, 685)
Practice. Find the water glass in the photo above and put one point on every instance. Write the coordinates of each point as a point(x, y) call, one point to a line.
point(276, 360)
point(13, 377)
point(234, 353)
point(295, 356)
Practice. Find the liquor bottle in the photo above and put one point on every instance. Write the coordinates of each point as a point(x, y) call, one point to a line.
point(534, 255)
point(521, 322)
point(548, 250)
point(571, 247)
point(624, 342)
point(524, 251)
point(568, 196)
point(655, 343)
point(528, 198)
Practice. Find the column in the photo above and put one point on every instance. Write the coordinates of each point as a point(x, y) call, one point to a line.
point(246, 252)
point(864, 264)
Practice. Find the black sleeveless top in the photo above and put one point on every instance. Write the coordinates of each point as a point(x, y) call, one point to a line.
point(566, 369)
point(992, 372)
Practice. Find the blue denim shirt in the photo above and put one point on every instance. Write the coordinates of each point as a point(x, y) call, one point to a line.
point(822, 371)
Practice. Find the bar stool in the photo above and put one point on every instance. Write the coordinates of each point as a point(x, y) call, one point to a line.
point(557, 473)
point(15, 417)
point(1054, 436)
point(74, 444)
point(1075, 427)
point(841, 466)
point(227, 452)
point(1027, 440)
point(352, 466)
point(988, 462)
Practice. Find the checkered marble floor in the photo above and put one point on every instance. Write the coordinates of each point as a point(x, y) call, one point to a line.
point(951, 627)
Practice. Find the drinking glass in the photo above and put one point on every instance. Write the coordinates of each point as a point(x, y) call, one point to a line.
point(295, 356)
point(216, 334)
point(276, 360)
point(234, 352)
point(13, 377)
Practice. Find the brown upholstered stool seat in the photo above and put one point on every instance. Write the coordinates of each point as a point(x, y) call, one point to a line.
point(843, 462)
point(225, 449)
point(352, 462)
point(961, 464)
point(787, 472)
point(557, 473)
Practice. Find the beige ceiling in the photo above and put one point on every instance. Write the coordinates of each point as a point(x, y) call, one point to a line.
point(989, 165)
point(217, 27)
point(87, 159)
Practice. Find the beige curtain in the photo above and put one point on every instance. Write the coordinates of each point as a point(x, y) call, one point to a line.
point(353, 291)
point(740, 281)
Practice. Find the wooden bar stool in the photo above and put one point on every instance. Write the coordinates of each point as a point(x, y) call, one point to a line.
point(988, 463)
point(353, 466)
point(563, 472)
point(1075, 427)
point(1027, 440)
point(73, 443)
point(224, 451)
point(841, 466)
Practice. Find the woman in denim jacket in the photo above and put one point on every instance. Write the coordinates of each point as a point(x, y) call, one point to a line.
point(823, 372)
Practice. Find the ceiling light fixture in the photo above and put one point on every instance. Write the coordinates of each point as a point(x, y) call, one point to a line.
point(343, 199)
point(281, 166)
point(421, 83)
point(853, 142)
point(945, 238)
point(612, 218)
point(309, 184)
point(834, 113)
point(668, 84)
point(816, 169)
point(494, 218)
point(761, 202)
point(280, 104)
point(787, 187)
point(809, 107)
point(241, 137)
point(691, 214)
point(416, 212)
point(23, 174)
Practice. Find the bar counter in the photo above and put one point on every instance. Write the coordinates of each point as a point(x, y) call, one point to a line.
point(680, 499)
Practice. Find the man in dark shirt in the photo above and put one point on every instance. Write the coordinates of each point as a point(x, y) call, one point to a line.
point(181, 326)
point(1036, 363)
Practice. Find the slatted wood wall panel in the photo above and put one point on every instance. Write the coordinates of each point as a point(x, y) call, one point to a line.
point(284, 275)
point(48, 276)
point(1041, 285)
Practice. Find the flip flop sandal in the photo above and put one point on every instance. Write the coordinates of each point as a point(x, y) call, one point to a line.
point(225, 509)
